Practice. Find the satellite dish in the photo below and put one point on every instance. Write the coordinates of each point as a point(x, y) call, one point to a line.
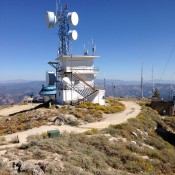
point(50, 19)
point(73, 18)
point(66, 81)
point(73, 35)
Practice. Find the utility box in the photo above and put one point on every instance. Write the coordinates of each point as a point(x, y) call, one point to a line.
point(53, 133)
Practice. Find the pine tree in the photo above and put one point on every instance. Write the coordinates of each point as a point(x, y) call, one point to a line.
point(156, 94)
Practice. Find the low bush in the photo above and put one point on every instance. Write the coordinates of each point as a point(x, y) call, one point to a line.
point(88, 118)
point(74, 122)
point(92, 131)
point(170, 121)
point(2, 139)
point(39, 154)
point(113, 107)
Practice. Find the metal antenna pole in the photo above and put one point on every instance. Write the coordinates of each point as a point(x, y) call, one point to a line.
point(152, 81)
point(59, 4)
point(92, 47)
point(114, 94)
point(142, 81)
point(71, 79)
point(170, 92)
point(104, 82)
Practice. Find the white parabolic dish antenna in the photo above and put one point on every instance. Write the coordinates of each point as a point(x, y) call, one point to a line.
point(73, 18)
point(73, 35)
point(66, 81)
point(50, 19)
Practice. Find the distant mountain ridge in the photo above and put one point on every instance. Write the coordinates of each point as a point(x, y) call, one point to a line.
point(18, 81)
point(108, 81)
point(16, 91)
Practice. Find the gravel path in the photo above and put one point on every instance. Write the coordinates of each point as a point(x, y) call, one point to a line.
point(131, 110)
point(17, 108)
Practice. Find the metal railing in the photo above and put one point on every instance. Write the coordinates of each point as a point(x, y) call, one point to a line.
point(82, 70)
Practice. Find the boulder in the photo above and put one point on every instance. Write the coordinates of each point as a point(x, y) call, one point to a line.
point(70, 117)
point(52, 119)
point(31, 168)
point(62, 119)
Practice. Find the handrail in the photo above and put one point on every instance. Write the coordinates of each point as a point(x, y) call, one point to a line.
point(82, 69)
point(81, 79)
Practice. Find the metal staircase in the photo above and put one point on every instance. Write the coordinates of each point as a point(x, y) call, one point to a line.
point(81, 79)
point(86, 92)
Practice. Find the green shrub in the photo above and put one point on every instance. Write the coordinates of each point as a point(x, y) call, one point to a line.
point(74, 122)
point(115, 162)
point(38, 154)
point(138, 166)
point(92, 131)
point(88, 118)
point(2, 139)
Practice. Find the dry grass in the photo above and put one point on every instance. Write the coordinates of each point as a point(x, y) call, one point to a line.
point(87, 112)
point(97, 152)
point(170, 121)
point(93, 152)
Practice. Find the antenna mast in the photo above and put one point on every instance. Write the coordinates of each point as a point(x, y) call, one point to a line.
point(104, 82)
point(63, 31)
point(64, 19)
point(142, 81)
point(93, 47)
point(152, 81)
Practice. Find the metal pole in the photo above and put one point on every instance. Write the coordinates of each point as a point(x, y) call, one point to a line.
point(104, 83)
point(142, 81)
point(71, 79)
point(112, 90)
point(152, 81)
point(114, 94)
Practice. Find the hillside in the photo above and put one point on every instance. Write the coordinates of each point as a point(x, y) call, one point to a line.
point(12, 93)
point(135, 147)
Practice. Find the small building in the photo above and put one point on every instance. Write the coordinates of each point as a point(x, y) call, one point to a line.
point(163, 107)
point(75, 77)
point(75, 74)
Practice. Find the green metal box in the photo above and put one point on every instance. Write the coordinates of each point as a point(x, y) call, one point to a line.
point(53, 133)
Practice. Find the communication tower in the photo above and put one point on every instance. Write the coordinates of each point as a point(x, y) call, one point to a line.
point(75, 74)
point(64, 19)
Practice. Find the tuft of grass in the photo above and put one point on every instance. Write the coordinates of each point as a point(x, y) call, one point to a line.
point(2, 139)
point(92, 131)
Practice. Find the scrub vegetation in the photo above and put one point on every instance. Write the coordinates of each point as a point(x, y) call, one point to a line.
point(86, 112)
point(130, 148)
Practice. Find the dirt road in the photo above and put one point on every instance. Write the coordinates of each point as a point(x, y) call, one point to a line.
point(17, 108)
point(131, 110)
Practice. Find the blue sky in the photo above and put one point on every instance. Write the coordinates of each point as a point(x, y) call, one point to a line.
point(126, 32)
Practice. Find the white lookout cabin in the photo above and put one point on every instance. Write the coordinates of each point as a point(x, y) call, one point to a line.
point(75, 77)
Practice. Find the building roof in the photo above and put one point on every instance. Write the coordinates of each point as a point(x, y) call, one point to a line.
point(78, 57)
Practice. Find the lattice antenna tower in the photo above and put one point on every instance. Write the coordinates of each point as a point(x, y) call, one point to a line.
point(64, 19)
